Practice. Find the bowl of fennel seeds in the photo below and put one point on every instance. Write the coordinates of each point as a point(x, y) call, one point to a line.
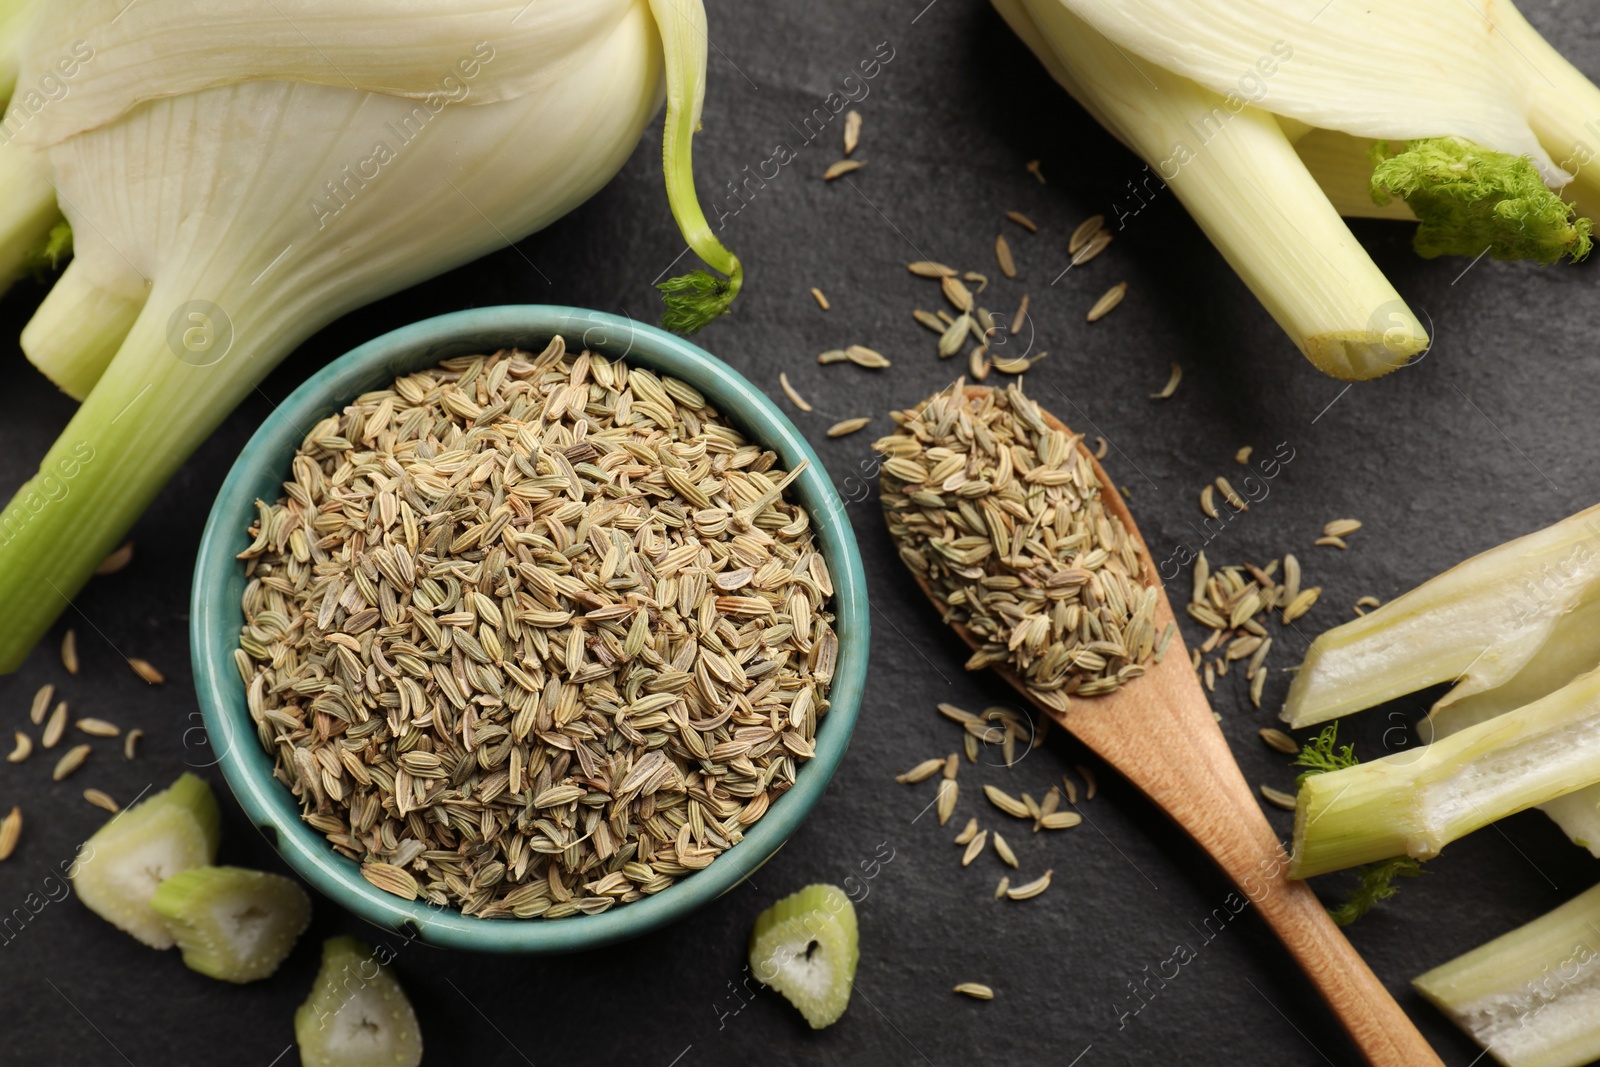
point(519, 646)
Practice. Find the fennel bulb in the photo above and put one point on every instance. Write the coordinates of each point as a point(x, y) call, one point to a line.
point(227, 206)
point(1452, 111)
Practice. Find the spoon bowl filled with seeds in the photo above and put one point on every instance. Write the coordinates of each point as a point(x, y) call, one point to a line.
point(527, 629)
point(1013, 530)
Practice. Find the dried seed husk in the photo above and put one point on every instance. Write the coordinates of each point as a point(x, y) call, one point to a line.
point(1002, 255)
point(969, 745)
point(1234, 500)
point(1259, 658)
point(1090, 784)
point(921, 772)
point(130, 743)
point(958, 294)
point(146, 671)
point(1341, 527)
point(1003, 850)
point(950, 340)
point(974, 847)
point(927, 268)
point(10, 832)
point(981, 280)
point(1011, 366)
point(1085, 231)
point(1071, 789)
point(22, 749)
point(794, 396)
point(391, 879)
point(1301, 604)
point(55, 727)
point(1290, 589)
point(1108, 300)
point(1331, 542)
point(955, 714)
point(1022, 220)
point(1060, 820)
point(832, 355)
point(1257, 685)
point(1172, 384)
point(977, 363)
point(1369, 602)
point(1278, 798)
point(817, 295)
point(69, 651)
point(844, 426)
point(841, 168)
point(952, 765)
point(101, 800)
point(967, 833)
point(1243, 455)
point(946, 803)
point(41, 703)
point(1208, 503)
point(1005, 802)
point(1091, 248)
point(1000, 890)
point(1030, 889)
point(70, 761)
point(118, 559)
point(1280, 741)
point(975, 990)
point(99, 728)
point(930, 320)
point(1021, 316)
point(862, 356)
point(852, 130)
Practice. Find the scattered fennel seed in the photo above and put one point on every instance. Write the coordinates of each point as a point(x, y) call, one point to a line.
point(794, 396)
point(862, 356)
point(55, 727)
point(927, 268)
point(1020, 317)
point(1108, 300)
point(1331, 542)
point(921, 772)
point(852, 130)
point(10, 832)
point(98, 728)
point(1022, 220)
point(1280, 741)
point(1091, 248)
point(1171, 386)
point(1243, 455)
point(968, 832)
point(69, 651)
point(118, 559)
point(1341, 527)
point(1002, 255)
point(1034, 169)
point(847, 426)
point(817, 295)
point(1085, 232)
point(1091, 784)
point(975, 847)
point(22, 749)
point(130, 743)
point(841, 168)
point(1030, 889)
point(101, 800)
point(145, 670)
point(975, 990)
point(1278, 798)
point(70, 761)
point(41, 703)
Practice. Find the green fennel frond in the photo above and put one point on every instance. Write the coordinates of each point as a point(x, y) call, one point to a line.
point(1471, 200)
point(45, 257)
point(1377, 883)
point(692, 300)
point(1319, 754)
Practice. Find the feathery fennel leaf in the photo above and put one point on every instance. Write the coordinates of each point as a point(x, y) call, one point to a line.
point(693, 300)
point(1377, 883)
point(1319, 754)
point(1472, 200)
point(44, 258)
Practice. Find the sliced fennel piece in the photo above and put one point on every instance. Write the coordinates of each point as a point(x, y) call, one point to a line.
point(230, 923)
point(1414, 803)
point(806, 946)
point(1238, 175)
point(1477, 624)
point(77, 329)
point(1531, 996)
point(120, 868)
point(357, 1015)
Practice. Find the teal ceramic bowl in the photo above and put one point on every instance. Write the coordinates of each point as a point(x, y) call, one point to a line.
point(260, 472)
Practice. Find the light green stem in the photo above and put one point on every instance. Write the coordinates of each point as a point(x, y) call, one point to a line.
point(699, 299)
point(76, 331)
point(28, 209)
point(1564, 109)
point(1414, 803)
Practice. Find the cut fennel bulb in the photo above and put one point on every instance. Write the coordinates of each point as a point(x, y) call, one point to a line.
point(228, 206)
point(1389, 69)
point(1414, 803)
point(1530, 997)
point(1477, 624)
point(1239, 176)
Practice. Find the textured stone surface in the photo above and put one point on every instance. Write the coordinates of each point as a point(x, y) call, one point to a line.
point(1489, 437)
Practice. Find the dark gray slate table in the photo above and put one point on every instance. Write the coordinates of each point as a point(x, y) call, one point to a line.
point(1489, 437)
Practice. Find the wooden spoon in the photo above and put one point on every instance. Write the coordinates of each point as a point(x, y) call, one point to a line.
point(1158, 731)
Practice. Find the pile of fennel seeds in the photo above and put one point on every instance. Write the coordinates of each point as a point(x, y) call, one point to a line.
point(534, 635)
point(1005, 519)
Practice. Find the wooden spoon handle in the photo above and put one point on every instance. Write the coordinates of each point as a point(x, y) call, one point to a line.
point(1374, 1021)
